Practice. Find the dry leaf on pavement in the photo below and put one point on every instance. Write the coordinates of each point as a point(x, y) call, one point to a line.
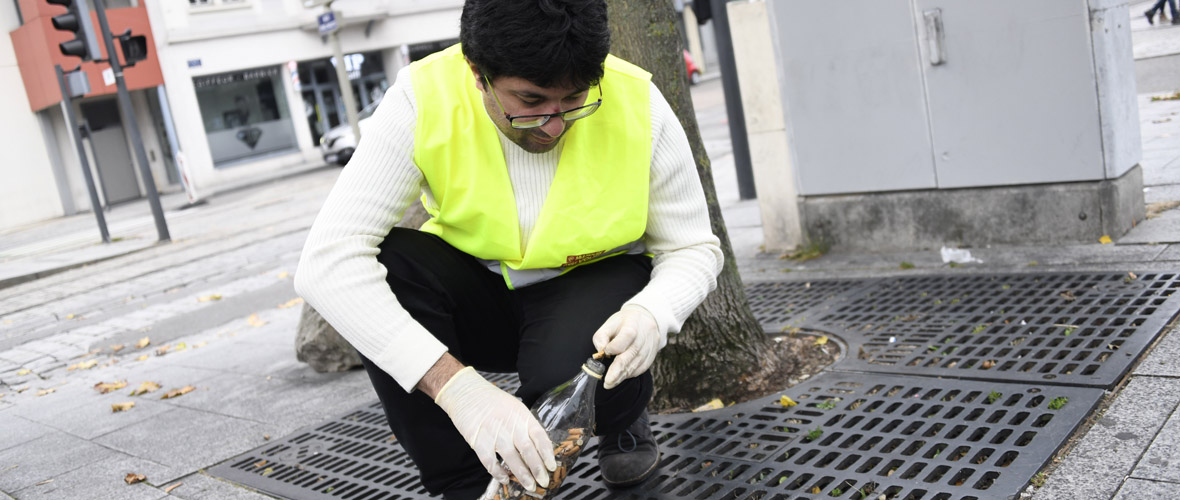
point(70, 316)
point(143, 343)
point(178, 392)
point(255, 321)
point(133, 478)
point(1104, 239)
point(118, 407)
point(715, 404)
point(207, 298)
point(786, 402)
point(170, 488)
point(145, 388)
point(822, 340)
point(117, 347)
point(162, 350)
point(23, 371)
point(85, 365)
point(46, 391)
point(291, 303)
point(105, 387)
point(21, 389)
point(142, 358)
point(283, 275)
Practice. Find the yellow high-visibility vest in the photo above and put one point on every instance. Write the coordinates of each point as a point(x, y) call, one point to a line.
point(597, 202)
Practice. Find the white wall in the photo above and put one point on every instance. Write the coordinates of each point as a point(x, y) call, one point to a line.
point(273, 33)
point(28, 190)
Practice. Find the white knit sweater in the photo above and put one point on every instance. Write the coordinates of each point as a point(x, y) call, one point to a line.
point(340, 277)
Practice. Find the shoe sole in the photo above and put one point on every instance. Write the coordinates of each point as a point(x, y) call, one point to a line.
point(641, 478)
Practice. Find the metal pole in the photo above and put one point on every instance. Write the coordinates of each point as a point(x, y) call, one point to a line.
point(67, 108)
point(345, 83)
point(733, 101)
point(133, 124)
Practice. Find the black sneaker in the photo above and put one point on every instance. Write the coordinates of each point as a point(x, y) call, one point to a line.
point(1149, 19)
point(628, 458)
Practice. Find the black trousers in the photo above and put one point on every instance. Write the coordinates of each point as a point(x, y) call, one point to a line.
point(543, 332)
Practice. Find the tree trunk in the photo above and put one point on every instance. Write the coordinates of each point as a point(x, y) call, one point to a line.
point(722, 349)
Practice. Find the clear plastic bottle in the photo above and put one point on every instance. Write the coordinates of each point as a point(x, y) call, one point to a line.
point(567, 414)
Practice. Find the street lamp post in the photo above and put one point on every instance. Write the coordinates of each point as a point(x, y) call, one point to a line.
point(329, 26)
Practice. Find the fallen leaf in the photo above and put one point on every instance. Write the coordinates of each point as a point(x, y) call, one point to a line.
point(105, 387)
point(715, 404)
point(1105, 239)
point(145, 388)
point(70, 316)
point(207, 298)
point(143, 343)
point(21, 389)
point(133, 478)
point(170, 488)
point(986, 365)
point(255, 321)
point(284, 275)
point(822, 340)
point(815, 490)
point(118, 407)
point(178, 392)
point(786, 402)
point(47, 481)
point(160, 351)
point(180, 347)
point(23, 371)
point(117, 348)
point(200, 344)
point(142, 358)
point(291, 303)
point(260, 463)
point(85, 365)
point(46, 391)
point(268, 471)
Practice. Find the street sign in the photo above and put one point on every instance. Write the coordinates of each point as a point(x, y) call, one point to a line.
point(328, 23)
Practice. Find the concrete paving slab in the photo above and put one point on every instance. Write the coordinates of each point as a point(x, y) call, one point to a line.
point(1161, 362)
point(1162, 229)
point(1170, 254)
point(45, 458)
point(95, 417)
point(18, 430)
point(101, 481)
point(1096, 466)
point(300, 403)
point(1139, 489)
point(201, 486)
point(1162, 460)
point(1164, 192)
point(186, 440)
point(230, 357)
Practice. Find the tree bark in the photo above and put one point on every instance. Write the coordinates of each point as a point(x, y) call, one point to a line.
point(722, 349)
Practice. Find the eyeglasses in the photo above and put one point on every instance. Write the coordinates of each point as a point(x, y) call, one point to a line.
point(534, 121)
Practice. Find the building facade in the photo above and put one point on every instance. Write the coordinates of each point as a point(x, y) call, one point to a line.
point(232, 90)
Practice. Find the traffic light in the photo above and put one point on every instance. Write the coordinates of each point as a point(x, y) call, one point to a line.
point(77, 20)
point(134, 48)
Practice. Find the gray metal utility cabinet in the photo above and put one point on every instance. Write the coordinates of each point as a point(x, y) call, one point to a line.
point(920, 123)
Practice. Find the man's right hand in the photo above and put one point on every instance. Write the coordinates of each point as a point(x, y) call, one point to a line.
point(493, 422)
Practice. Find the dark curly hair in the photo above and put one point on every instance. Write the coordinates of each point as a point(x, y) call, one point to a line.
point(547, 42)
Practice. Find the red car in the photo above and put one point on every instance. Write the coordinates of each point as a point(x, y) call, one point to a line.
point(694, 73)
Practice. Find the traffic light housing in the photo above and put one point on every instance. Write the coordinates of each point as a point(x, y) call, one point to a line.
point(135, 48)
point(77, 20)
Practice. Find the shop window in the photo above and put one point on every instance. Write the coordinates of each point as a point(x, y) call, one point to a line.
point(245, 114)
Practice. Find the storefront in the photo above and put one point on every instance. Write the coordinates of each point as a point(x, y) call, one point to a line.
point(245, 114)
point(322, 102)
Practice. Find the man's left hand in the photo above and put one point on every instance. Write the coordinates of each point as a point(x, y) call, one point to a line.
point(634, 338)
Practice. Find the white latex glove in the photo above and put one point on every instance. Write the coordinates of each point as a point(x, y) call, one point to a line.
point(634, 338)
point(492, 421)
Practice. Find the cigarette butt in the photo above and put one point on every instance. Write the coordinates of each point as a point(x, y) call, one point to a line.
point(599, 354)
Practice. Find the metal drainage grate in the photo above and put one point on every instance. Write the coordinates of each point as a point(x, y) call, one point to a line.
point(905, 437)
point(352, 457)
point(779, 305)
point(1084, 329)
point(853, 435)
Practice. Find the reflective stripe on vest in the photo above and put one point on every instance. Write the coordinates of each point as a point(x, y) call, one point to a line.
point(596, 203)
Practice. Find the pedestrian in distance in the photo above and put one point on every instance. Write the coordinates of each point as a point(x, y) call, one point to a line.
point(1159, 6)
point(567, 218)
